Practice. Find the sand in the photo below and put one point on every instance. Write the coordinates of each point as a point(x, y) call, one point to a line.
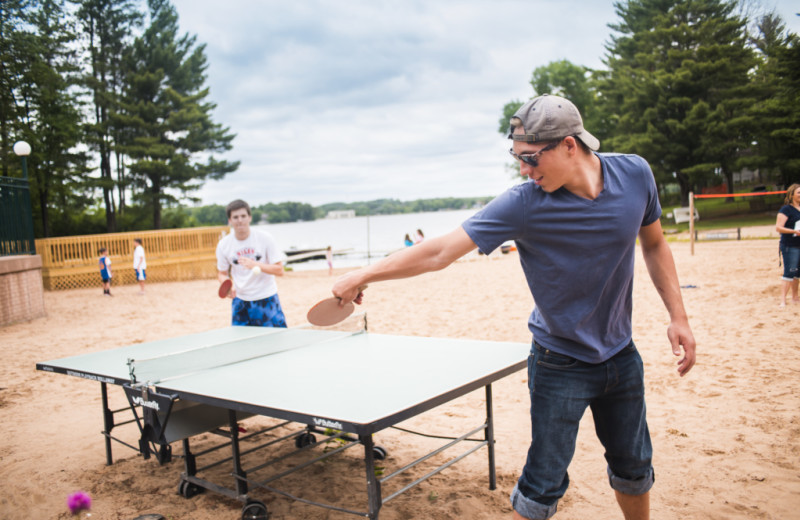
point(726, 437)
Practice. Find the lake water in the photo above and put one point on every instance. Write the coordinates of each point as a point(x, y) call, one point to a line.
point(362, 240)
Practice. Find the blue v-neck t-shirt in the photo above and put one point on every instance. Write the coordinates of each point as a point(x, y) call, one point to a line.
point(577, 254)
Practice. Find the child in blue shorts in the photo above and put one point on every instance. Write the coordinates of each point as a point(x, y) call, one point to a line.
point(105, 270)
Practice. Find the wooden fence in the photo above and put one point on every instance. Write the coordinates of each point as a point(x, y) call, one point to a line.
point(172, 255)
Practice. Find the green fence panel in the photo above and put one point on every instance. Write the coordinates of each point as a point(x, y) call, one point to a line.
point(16, 219)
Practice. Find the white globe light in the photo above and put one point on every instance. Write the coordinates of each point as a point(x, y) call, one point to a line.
point(22, 148)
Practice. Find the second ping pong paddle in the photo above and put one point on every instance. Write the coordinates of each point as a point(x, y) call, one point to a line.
point(329, 311)
point(225, 288)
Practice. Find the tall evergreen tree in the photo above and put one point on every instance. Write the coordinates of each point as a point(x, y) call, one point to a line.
point(167, 116)
point(42, 106)
point(52, 117)
point(788, 98)
point(107, 27)
point(777, 112)
point(15, 50)
point(678, 84)
point(723, 115)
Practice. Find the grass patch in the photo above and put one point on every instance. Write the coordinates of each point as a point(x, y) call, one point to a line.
point(722, 213)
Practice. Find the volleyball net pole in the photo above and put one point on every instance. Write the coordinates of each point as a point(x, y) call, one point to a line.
point(691, 221)
point(692, 196)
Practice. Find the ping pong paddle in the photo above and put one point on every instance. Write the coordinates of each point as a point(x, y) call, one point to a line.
point(329, 311)
point(225, 288)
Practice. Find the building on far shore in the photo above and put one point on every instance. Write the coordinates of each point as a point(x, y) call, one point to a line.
point(343, 213)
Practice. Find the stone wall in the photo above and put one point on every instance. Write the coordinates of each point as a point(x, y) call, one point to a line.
point(21, 290)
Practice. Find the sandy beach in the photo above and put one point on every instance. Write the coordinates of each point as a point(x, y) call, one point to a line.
point(726, 437)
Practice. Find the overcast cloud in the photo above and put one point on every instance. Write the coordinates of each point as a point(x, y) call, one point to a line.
point(359, 100)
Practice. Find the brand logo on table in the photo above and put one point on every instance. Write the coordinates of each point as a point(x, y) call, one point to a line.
point(147, 404)
point(328, 424)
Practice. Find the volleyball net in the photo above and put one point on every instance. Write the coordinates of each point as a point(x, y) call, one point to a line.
point(732, 195)
point(751, 202)
point(721, 205)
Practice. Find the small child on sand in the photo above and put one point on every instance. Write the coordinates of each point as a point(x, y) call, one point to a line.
point(105, 270)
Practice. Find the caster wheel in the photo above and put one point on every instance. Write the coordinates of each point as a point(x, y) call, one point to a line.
point(188, 490)
point(255, 510)
point(305, 439)
point(379, 452)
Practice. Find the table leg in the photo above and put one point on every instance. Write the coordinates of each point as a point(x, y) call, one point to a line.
point(108, 422)
point(373, 484)
point(189, 460)
point(489, 436)
point(241, 483)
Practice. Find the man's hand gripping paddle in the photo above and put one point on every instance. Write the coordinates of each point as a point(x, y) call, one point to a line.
point(225, 287)
point(329, 311)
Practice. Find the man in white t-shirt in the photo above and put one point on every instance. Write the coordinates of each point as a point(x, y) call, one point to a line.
point(253, 259)
point(139, 263)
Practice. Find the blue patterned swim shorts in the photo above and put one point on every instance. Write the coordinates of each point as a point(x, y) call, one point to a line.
point(259, 313)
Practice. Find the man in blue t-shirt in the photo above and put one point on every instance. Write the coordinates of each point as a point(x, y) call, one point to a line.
point(575, 225)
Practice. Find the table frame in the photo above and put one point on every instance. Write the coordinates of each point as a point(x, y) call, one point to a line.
point(154, 439)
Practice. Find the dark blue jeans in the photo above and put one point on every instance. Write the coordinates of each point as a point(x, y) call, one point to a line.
point(561, 389)
point(791, 262)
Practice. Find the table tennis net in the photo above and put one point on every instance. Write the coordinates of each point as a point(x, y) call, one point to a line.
point(159, 369)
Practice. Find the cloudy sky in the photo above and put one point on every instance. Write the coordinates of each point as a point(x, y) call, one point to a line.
point(356, 100)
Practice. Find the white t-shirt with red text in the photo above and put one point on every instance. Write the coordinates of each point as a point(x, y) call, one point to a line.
point(259, 246)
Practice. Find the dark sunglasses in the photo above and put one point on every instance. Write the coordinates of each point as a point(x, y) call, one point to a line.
point(532, 158)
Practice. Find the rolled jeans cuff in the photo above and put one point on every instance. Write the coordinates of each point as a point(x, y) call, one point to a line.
point(531, 509)
point(636, 487)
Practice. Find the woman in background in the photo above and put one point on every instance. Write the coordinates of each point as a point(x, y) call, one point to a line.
point(788, 225)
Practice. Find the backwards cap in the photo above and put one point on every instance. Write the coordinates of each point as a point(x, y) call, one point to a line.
point(550, 118)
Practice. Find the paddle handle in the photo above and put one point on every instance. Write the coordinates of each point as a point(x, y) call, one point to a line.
point(360, 291)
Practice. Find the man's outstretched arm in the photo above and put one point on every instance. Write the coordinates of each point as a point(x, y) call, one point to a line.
point(431, 255)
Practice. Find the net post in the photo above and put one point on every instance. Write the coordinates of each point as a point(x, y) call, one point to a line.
point(691, 221)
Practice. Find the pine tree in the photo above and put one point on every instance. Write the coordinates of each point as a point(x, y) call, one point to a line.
point(788, 99)
point(678, 88)
point(14, 50)
point(49, 116)
point(107, 27)
point(777, 112)
point(166, 114)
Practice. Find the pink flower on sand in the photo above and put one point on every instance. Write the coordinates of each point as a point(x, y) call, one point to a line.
point(79, 501)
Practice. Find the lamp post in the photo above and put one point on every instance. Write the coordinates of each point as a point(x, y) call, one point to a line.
point(20, 204)
point(23, 149)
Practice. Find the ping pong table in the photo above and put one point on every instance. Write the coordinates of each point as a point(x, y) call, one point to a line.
point(343, 386)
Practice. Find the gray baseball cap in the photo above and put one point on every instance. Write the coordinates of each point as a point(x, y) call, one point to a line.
point(550, 118)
